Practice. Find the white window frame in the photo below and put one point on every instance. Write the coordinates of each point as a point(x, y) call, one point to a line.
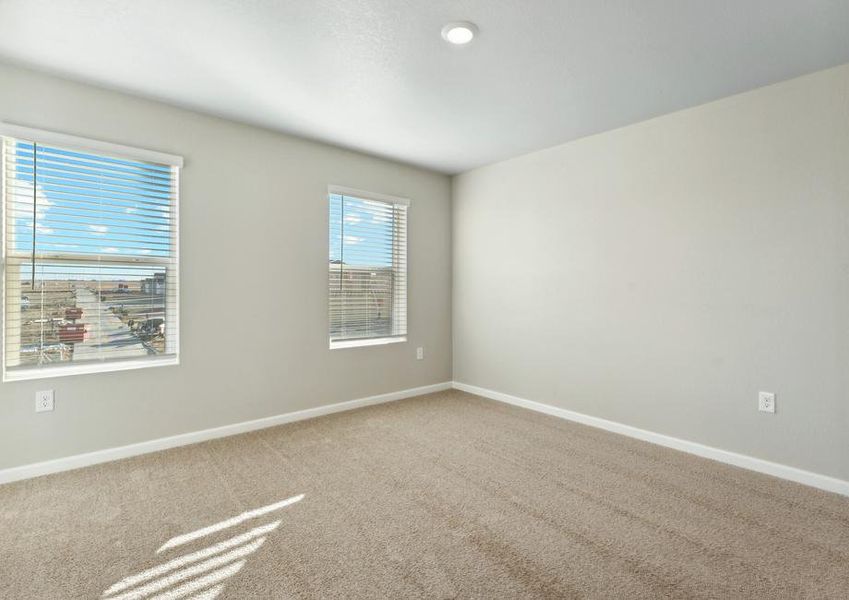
point(341, 190)
point(72, 142)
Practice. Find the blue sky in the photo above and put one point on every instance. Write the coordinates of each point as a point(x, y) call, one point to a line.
point(360, 231)
point(88, 204)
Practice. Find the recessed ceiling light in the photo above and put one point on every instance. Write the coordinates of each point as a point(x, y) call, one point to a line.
point(459, 33)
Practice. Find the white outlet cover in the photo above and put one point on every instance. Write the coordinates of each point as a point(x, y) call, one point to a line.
point(766, 402)
point(419, 353)
point(44, 401)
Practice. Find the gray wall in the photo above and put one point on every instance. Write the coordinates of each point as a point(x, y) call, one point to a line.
point(254, 212)
point(661, 274)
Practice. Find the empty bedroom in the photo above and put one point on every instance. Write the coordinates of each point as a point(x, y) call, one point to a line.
point(424, 299)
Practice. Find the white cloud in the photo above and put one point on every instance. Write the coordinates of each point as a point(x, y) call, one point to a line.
point(111, 249)
point(353, 240)
point(353, 219)
point(99, 229)
point(41, 201)
point(42, 205)
point(375, 204)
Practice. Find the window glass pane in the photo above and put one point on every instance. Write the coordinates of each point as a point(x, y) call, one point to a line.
point(367, 268)
point(91, 269)
point(84, 312)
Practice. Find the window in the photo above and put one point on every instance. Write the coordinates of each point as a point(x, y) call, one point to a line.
point(367, 268)
point(90, 269)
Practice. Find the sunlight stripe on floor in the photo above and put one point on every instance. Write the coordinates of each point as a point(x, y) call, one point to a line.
point(176, 563)
point(178, 576)
point(201, 583)
point(209, 594)
point(251, 514)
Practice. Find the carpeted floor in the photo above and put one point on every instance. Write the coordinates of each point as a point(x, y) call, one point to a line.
point(442, 496)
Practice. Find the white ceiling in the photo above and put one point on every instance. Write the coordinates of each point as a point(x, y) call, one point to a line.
point(375, 75)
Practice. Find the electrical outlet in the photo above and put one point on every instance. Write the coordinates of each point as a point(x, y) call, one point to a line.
point(44, 401)
point(419, 353)
point(766, 402)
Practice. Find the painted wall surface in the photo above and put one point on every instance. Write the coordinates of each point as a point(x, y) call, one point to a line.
point(660, 275)
point(253, 273)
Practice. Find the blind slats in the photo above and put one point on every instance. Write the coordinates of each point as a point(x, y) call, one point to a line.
point(91, 272)
point(95, 208)
point(367, 274)
point(59, 176)
point(100, 164)
point(83, 193)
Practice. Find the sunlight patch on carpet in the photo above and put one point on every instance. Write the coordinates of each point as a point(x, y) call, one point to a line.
point(199, 574)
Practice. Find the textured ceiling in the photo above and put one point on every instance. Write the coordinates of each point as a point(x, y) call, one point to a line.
point(375, 75)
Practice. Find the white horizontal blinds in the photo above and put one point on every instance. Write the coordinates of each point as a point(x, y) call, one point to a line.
point(367, 268)
point(90, 256)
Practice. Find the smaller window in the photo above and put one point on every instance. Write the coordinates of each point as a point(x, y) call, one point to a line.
point(367, 270)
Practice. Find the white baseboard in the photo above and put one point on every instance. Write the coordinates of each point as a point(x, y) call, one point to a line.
point(183, 439)
point(823, 482)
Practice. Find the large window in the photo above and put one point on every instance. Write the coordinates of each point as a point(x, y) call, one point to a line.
point(90, 274)
point(367, 268)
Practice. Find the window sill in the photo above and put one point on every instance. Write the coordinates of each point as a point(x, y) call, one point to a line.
point(367, 342)
point(87, 368)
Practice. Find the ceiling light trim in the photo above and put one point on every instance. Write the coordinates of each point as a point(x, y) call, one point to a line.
point(459, 33)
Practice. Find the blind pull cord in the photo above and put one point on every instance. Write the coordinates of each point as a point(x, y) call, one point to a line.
point(34, 207)
point(342, 252)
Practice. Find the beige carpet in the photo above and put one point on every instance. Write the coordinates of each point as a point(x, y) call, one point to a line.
point(442, 496)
